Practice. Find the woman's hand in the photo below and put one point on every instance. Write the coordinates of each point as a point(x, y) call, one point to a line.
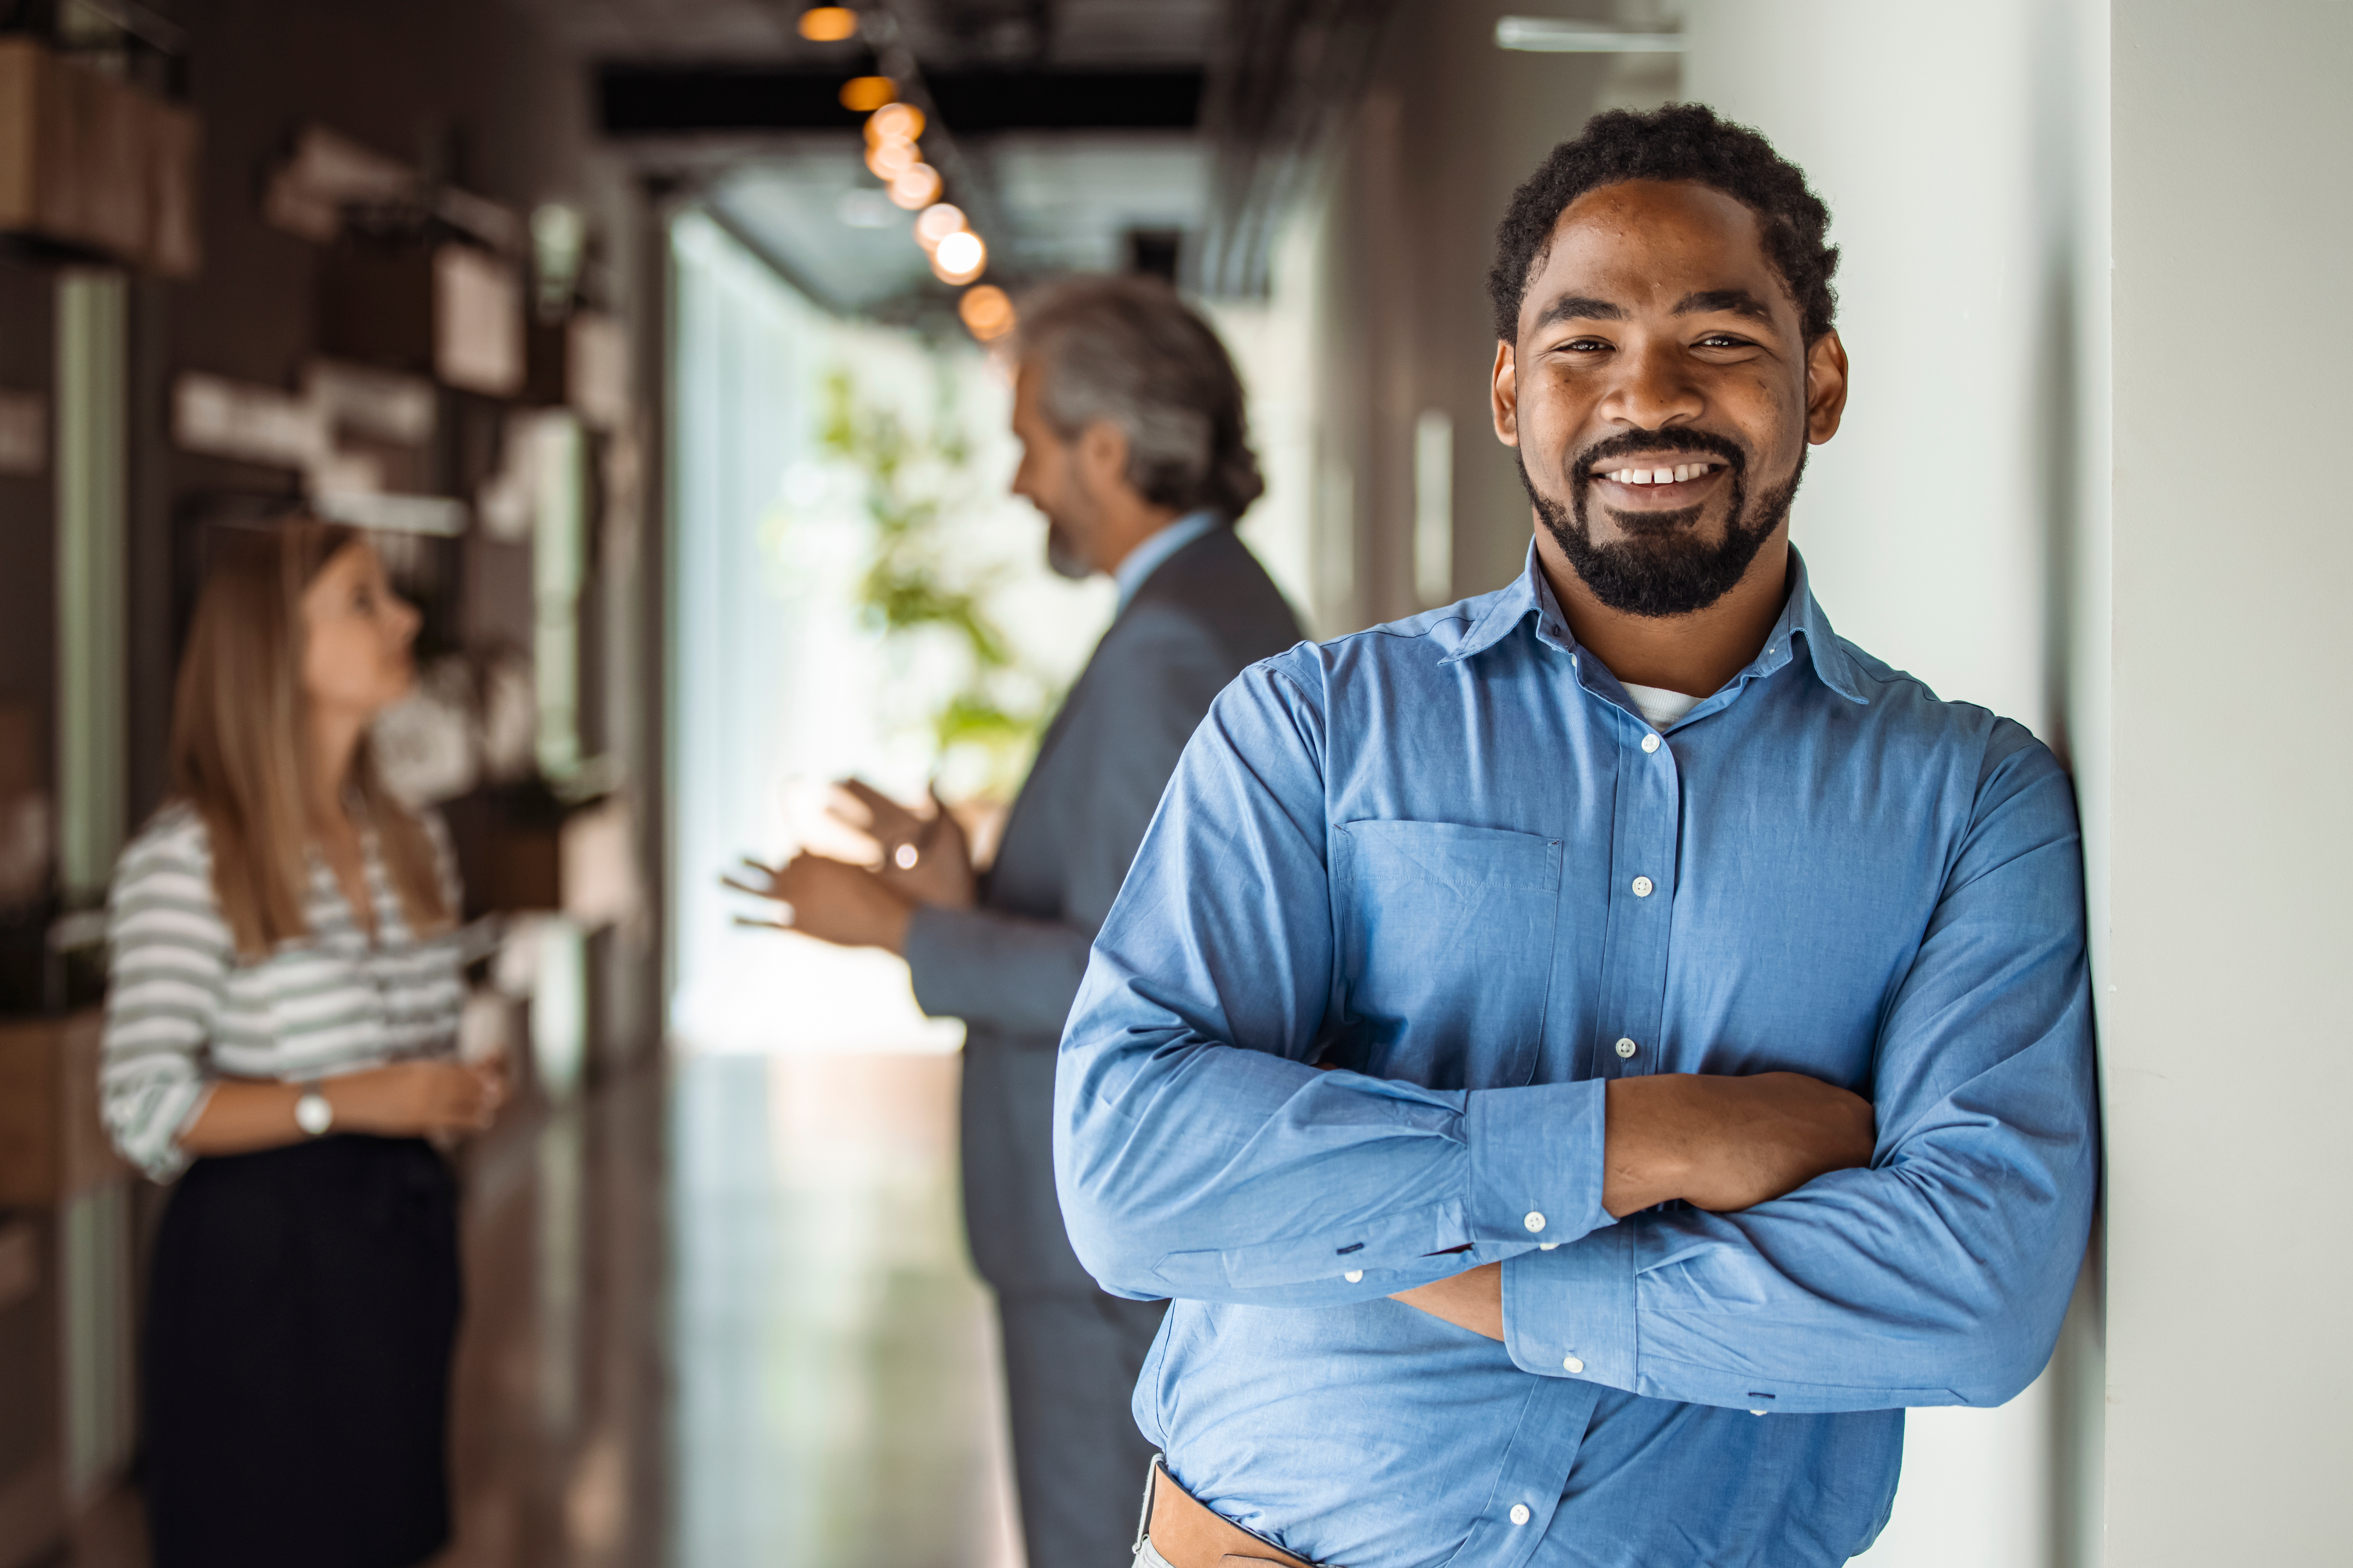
point(406, 1100)
point(418, 1098)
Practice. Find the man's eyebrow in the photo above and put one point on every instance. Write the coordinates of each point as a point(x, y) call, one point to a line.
point(1579, 308)
point(1738, 301)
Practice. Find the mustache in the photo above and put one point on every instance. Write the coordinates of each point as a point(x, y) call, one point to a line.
point(1626, 443)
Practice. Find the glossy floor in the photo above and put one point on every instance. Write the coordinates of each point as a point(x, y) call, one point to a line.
point(720, 1315)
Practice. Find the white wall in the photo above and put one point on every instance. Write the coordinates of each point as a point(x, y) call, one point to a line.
point(2229, 1071)
point(1956, 525)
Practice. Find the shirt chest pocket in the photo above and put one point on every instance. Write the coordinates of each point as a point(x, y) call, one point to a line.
point(1445, 949)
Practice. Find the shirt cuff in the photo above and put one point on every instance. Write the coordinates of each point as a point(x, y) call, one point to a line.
point(1535, 1161)
point(1570, 1313)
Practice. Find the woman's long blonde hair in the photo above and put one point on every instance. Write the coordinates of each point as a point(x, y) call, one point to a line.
point(240, 751)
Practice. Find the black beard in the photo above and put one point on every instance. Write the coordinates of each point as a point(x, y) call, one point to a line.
point(1659, 572)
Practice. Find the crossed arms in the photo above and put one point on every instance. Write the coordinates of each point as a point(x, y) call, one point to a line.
point(1829, 1255)
point(1717, 1143)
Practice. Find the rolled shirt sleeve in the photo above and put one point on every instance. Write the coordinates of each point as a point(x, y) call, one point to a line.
point(170, 957)
point(1937, 1276)
point(1199, 1151)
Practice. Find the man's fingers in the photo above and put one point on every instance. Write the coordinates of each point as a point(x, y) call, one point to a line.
point(762, 925)
point(867, 796)
point(884, 818)
point(747, 888)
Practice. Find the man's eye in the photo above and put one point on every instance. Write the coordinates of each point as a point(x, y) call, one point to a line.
point(1587, 345)
point(1722, 341)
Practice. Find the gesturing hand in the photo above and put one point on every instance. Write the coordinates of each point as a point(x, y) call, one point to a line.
point(832, 900)
point(926, 859)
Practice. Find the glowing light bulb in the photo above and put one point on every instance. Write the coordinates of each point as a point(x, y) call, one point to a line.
point(934, 223)
point(828, 24)
point(891, 159)
point(894, 122)
point(919, 186)
point(862, 93)
point(987, 313)
point(960, 257)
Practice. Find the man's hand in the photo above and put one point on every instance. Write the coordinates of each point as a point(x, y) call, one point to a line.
point(926, 859)
point(832, 900)
point(1718, 1143)
point(1726, 1143)
point(1472, 1299)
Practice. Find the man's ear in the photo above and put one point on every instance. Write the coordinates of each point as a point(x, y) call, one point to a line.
point(1102, 454)
point(1504, 395)
point(1825, 387)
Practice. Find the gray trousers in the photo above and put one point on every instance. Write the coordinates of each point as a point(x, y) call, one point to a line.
point(1070, 1366)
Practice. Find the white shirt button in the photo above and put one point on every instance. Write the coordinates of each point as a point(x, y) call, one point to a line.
point(1649, 743)
point(1643, 887)
point(1570, 1363)
point(1626, 1048)
point(1547, 1246)
point(1757, 1412)
point(1353, 1277)
point(1534, 1220)
point(1520, 1514)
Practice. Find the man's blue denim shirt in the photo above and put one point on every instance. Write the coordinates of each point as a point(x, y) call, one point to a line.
point(1450, 856)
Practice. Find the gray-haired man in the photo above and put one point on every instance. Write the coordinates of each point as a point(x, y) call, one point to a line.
point(1135, 445)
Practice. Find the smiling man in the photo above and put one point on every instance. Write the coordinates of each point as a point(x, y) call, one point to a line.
point(1583, 1060)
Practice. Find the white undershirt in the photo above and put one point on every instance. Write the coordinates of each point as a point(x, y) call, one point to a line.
point(1662, 707)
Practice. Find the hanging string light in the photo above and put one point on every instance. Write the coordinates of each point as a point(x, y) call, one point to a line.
point(960, 257)
point(893, 156)
point(894, 121)
point(917, 186)
point(987, 313)
point(935, 222)
point(828, 24)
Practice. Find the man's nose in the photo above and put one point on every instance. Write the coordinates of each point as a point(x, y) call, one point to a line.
point(1652, 388)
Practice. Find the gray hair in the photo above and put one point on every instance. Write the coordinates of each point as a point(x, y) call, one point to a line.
point(1128, 350)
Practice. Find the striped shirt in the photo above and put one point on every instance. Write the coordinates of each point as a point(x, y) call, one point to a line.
point(184, 1010)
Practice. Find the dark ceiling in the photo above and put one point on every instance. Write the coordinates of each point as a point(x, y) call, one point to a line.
point(1077, 134)
point(944, 33)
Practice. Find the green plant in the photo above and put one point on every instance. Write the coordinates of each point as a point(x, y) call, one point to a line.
point(912, 482)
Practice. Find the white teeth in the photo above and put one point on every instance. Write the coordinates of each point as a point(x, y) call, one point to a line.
point(1676, 476)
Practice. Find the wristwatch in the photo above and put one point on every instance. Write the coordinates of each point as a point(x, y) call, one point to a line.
point(313, 1114)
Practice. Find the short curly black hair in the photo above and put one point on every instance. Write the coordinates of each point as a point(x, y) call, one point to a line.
point(1682, 142)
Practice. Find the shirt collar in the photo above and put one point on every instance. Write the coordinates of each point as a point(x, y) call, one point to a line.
point(1802, 618)
point(1147, 557)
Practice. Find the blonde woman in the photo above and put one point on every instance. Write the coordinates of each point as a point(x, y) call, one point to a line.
point(280, 1022)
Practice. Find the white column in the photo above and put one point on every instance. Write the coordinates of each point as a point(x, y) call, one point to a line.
point(2230, 1060)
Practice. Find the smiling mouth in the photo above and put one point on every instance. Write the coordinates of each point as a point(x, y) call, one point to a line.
point(1677, 474)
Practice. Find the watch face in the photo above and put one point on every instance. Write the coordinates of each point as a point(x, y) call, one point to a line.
point(314, 1115)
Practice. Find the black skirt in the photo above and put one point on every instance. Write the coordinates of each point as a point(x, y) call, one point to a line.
point(299, 1338)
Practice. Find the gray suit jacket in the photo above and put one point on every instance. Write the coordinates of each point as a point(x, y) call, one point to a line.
point(1010, 967)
